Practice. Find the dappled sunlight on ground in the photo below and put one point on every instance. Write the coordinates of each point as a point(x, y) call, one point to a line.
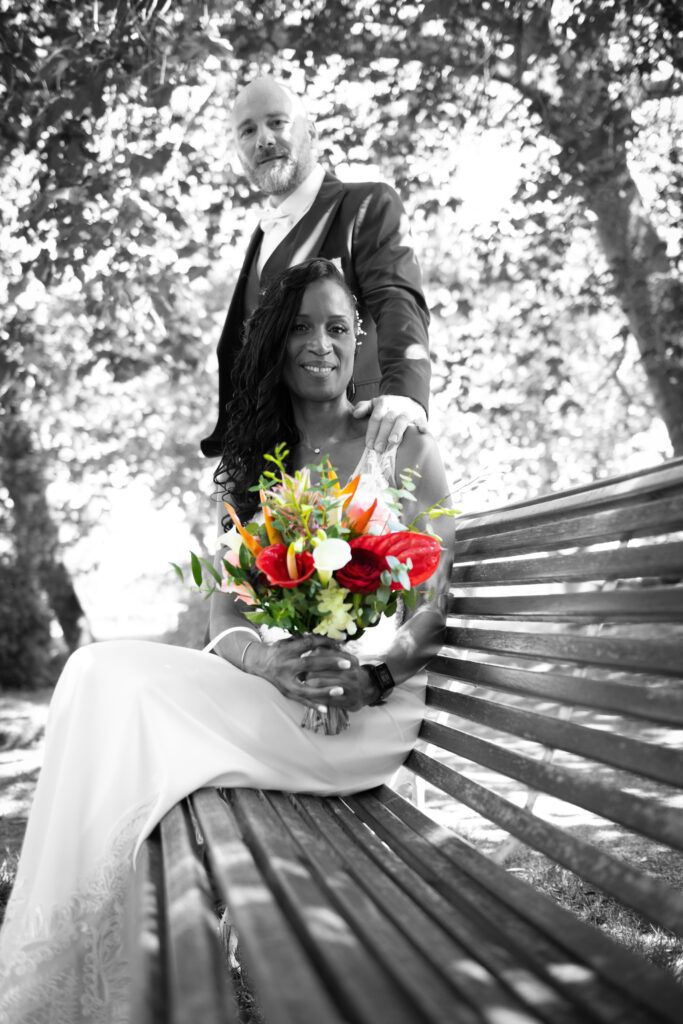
point(23, 717)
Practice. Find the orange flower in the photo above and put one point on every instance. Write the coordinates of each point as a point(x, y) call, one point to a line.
point(350, 490)
point(274, 535)
point(248, 538)
point(359, 522)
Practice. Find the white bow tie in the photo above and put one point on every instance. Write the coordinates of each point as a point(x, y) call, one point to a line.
point(271, 218)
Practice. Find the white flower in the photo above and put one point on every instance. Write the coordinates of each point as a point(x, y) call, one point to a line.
point(329, 555)
point(337, 621)
point(230, 539)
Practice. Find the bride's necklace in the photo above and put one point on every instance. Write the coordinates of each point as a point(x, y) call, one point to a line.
point(317, 449)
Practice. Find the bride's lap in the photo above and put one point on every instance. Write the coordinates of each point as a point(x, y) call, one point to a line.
point(184, 700)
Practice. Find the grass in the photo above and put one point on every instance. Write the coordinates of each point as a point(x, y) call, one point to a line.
point(8, 869)
point(620, 923)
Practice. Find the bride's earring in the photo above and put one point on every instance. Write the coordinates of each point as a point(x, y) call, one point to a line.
point(351, 386)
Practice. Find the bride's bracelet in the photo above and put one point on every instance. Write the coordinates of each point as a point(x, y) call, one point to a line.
point(226, 632)
point(245, 649)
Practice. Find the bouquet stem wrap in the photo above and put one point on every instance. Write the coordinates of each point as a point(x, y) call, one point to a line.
point(330, 722)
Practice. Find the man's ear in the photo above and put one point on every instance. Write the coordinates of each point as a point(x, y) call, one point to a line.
point(312, 131)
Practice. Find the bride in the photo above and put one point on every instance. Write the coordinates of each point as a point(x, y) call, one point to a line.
point(134, 726)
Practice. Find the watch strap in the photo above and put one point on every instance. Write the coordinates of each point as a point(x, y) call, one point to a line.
point(383, 680)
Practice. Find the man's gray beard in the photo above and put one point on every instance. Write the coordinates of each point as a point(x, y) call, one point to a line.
point(279, 177)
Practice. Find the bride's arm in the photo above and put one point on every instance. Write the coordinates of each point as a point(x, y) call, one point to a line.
point(421, 635)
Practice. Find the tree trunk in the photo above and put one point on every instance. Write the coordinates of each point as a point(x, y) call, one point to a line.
point(34, 533)
point(593, 132)
point(652, 299)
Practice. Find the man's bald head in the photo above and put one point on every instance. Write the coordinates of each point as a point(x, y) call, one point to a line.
point(267, 89)
point(274, 136)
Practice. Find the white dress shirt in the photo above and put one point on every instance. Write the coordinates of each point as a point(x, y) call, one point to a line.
point(278, 221)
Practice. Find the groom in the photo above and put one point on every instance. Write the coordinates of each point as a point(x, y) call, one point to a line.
point(363, 228)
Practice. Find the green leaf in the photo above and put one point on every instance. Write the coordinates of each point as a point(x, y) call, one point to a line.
point(259, 618)
point(237, 574)
point(211, 569)
point(196, 566)
point(178, 571)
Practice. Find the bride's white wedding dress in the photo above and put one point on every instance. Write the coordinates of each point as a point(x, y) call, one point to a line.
point(134, 726)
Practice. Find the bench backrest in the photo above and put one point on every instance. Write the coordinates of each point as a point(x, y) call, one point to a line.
point(566, 633)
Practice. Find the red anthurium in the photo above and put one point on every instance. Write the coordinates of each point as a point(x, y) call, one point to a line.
point(362, 574)
point(272, 561)
point(422, 549)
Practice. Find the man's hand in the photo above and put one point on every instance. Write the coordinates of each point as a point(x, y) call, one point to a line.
point(391, 415)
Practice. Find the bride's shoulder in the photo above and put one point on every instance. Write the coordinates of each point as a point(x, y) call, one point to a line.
point(417, 451)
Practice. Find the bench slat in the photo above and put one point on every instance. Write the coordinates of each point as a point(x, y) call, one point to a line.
point(662, 702)
point(642, 758)
point(563, 953)
point(289, 988)
point(666, 479)
point(149, 976)
point(407, 898)
point(644, 656)
point(637, 561)
point(663, 515)
point(654, 604)
point(645, 985)
point(406, 960)
point(359, 986)
point(197, 974)
point(639, 890)
point(482, 944)
point(658, 822)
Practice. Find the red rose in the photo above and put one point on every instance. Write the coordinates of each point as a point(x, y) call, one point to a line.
point(273, 562)
point(362, 573)
point(422, 549)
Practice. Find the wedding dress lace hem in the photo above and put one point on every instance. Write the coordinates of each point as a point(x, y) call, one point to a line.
point(70, 966)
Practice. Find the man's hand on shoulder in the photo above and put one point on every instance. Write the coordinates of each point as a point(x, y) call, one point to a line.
point(391, 417)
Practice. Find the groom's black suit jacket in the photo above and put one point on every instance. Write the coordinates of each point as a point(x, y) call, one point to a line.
point(363, 228)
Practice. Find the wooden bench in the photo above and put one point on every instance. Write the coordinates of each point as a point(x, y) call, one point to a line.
point(555, 717)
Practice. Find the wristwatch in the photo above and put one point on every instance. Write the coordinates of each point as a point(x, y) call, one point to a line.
point(383, 680)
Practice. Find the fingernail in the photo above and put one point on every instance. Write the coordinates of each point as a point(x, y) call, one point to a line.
point(322, 708)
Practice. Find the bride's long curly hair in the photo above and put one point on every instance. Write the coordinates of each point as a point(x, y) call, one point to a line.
point(260, 415)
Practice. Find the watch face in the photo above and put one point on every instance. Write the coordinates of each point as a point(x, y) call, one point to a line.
point(384, 678)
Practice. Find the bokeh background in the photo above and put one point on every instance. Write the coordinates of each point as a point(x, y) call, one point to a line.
point(537, 147)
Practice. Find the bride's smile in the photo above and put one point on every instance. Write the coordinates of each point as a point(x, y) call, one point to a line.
point(321, 344)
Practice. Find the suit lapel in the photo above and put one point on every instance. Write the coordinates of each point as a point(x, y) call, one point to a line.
point(254, 243)
point(305, 238)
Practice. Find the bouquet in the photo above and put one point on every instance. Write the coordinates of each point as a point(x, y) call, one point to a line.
point(321, 558)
